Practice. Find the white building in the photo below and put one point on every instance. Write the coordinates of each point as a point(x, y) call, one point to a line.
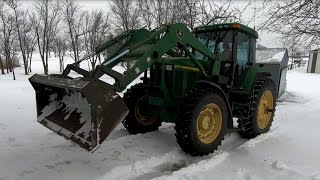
point(314, 62)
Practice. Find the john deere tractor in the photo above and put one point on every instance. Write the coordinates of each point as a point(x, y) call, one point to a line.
point(200, 80)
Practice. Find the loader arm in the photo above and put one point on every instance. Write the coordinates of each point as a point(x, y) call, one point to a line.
point(161, 42)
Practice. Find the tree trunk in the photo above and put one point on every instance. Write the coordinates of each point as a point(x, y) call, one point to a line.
point(25, 64)
point(61, 59)
point(47, 53)
point(25, 60)
point(12, 70)
point(45, 68)
point(1, 66)
point(7, 64)
point(42, 57)
point(13, 74)
point(74, 41)
point(30, 70)
point(30, 57)
point(44, 46)
point(41, 51)
point(61, 64)
point(99, 57)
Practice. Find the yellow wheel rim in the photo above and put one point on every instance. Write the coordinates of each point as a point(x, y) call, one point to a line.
point(209, 123)
point(142, 119)
point(265, 109)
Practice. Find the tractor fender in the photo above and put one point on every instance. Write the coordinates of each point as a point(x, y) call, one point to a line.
point(218, 88)
point(263, 74)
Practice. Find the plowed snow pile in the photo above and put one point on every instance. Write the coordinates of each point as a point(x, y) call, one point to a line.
point(289, 151)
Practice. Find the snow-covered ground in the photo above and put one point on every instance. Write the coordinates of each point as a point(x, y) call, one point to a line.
point(289, 151)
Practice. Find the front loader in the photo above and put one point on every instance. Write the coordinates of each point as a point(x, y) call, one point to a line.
point(199, 80)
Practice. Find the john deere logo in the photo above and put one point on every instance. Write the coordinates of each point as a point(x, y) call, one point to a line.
point(180, 33)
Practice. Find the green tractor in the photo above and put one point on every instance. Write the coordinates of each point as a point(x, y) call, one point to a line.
point(199, 80)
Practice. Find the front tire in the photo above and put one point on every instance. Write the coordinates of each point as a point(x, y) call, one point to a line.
point(141, 118)
point(202, 122)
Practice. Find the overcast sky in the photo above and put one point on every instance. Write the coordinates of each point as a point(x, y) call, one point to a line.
point(265, 38)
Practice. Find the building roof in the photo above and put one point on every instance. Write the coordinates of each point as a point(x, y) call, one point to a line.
point(272, 55)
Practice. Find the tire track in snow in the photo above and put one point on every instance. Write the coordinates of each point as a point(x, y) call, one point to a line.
point(174, 162)
point(190, 171)
point(145, 168)
point(231, 143)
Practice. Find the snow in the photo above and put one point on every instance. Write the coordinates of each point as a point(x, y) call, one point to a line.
point(276, 58)
point(75, 102)
point(270, 55)
point(30, 151)
point(50, 108)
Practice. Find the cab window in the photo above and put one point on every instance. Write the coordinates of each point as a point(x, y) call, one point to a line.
point(203, 38)
point(224, 46)
point(243, 46)
point(218, 42)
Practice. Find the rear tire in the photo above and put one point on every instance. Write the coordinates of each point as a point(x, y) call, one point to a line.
point(202, 122)
point(136, 99)
point(260, 111)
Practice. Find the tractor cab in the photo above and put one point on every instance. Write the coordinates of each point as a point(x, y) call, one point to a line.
point(233, 44)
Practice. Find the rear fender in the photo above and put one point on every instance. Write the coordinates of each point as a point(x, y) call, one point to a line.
point(251, 77)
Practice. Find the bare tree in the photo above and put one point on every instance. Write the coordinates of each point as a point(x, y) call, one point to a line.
point(6, 34)
point(23, 30)
point(146, 11)
point(72, 18)
point(126, 15)
point(192, 12)
point(297, 21)
point(45, 23)
point(173, 11)
point(30, 43)
point(96, 29)
point(213, 11)
point(161, 11)
point(61, 49)
point(32, 39)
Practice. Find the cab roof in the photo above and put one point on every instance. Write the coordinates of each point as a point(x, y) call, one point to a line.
point(226, 26)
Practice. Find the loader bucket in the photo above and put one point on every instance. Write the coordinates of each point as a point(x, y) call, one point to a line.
point(84, 112)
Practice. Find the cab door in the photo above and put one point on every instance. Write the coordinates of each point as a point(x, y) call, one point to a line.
point(244, 58)
point(242, 51)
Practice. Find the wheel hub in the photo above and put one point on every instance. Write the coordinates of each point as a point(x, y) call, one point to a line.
point(209, 123)
point(140, 117)
point(265, 109)
point(206, 122)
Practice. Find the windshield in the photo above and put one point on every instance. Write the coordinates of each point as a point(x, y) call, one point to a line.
point(218, 42)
